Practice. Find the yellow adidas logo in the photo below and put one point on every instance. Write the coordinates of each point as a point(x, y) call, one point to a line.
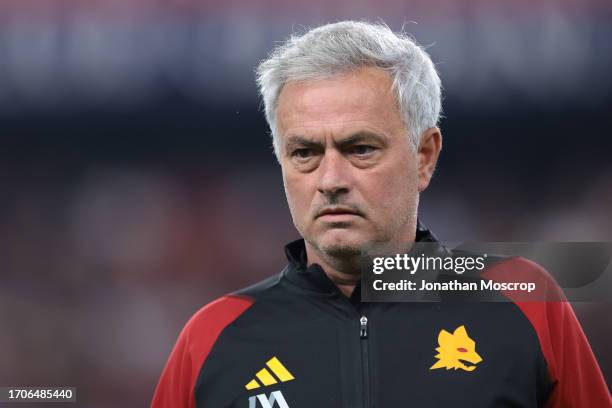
point(266, 378)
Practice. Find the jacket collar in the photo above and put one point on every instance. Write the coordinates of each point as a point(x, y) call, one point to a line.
point(314, 277)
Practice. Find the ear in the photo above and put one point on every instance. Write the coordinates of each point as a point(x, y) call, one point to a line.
point(429, 150)
point(460, 331)
point(444, 338)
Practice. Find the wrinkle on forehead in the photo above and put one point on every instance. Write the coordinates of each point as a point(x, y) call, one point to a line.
point(364, 96)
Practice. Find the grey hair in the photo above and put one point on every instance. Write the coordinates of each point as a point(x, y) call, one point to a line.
point(337, 48)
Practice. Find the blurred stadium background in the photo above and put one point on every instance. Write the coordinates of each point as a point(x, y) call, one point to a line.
point(138, 183)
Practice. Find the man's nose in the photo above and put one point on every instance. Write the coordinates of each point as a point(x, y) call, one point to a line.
point(334, 175)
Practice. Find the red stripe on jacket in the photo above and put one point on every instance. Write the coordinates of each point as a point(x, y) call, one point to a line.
point(177, 382)
point(571, 364)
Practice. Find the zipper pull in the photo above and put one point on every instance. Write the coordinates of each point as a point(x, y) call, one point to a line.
point(363, 333)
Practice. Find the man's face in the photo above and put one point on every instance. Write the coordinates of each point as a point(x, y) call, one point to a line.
point(351, 176)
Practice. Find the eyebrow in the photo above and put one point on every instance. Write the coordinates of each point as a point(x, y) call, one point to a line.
point(301, 141)
point(361, 136)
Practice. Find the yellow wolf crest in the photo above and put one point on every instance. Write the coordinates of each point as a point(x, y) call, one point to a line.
point(455, 349)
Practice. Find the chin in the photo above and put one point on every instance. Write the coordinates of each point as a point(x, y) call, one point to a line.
point(342, 251)
point(342, 245)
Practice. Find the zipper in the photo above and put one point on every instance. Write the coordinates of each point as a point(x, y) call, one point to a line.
point(365, 364)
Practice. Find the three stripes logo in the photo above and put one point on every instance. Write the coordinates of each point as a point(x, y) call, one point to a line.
point(274, 372)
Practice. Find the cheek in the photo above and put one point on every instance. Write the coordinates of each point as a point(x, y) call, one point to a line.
point(394, 190)
point(298, 196)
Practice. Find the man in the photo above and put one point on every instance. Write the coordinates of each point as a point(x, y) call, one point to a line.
point(353, 109)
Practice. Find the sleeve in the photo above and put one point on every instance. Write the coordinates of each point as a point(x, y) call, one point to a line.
point(573, 370)
point(177, 382)
point(579, 381)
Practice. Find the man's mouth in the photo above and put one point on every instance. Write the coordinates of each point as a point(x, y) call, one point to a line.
point(337, 213)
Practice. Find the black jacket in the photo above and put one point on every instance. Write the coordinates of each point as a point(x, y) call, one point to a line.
point(295, 341)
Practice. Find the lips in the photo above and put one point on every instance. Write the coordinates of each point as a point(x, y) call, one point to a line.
point(338, 211)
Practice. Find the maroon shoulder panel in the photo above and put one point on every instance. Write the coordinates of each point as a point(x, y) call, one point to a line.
point(177, 382)
point(571, 363)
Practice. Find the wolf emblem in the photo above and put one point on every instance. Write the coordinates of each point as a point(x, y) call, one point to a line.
point(456, 351)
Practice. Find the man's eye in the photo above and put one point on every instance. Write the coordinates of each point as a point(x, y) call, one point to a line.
point(362, 150)
point(302, 153)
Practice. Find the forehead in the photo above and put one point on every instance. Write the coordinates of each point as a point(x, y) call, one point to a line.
point(364, 96)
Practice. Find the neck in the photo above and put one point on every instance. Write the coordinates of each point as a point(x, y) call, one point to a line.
point(346, 272)
point(343, 273)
